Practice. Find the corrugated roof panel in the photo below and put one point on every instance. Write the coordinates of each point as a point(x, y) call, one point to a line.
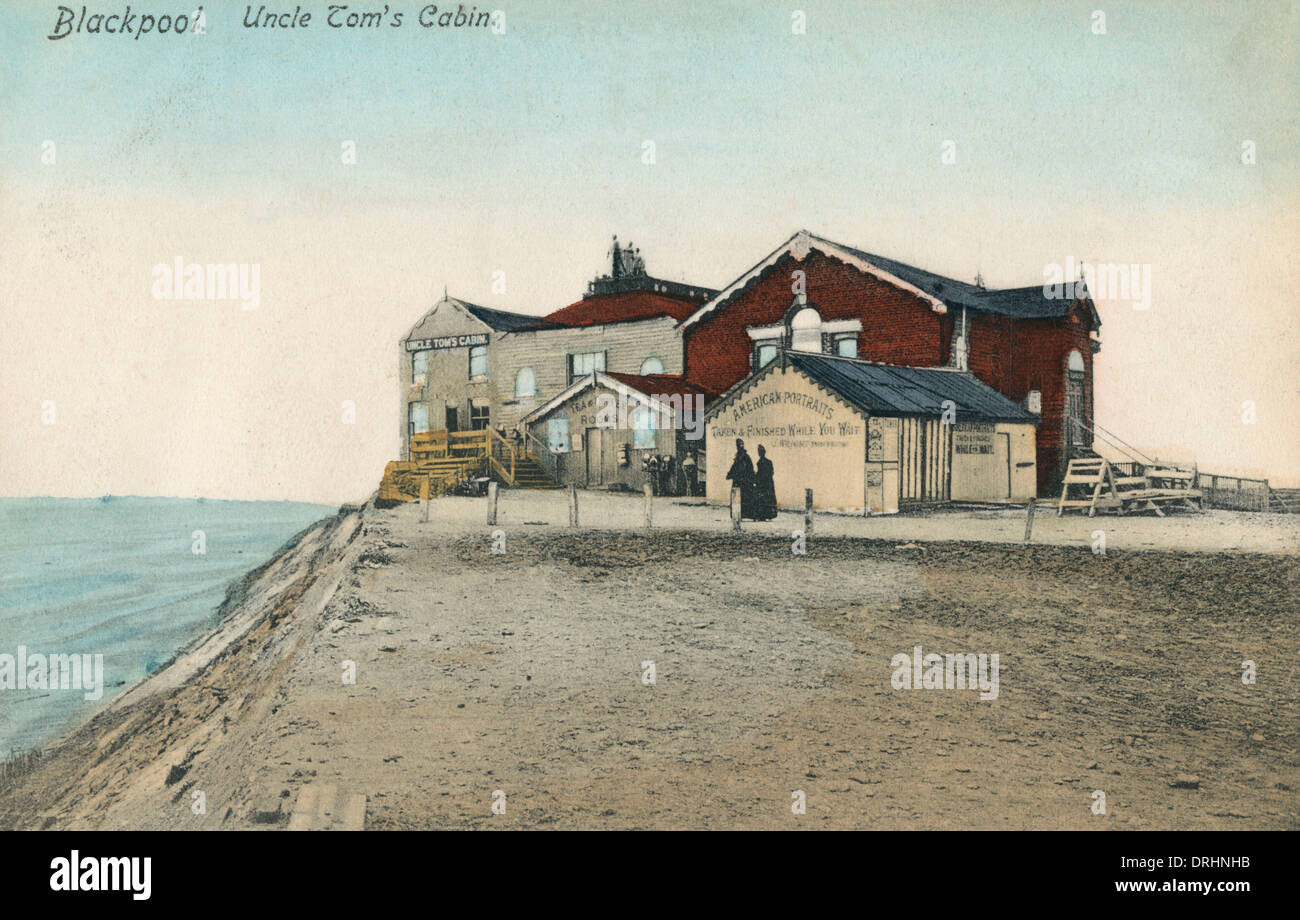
point(889, 389)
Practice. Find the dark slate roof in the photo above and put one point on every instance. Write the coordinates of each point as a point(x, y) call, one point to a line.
point(885, 389)
point(1023, 303)
point(502, 321)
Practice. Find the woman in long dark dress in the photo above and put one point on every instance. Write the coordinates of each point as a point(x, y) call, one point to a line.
point(741, 474)
point(764, 488)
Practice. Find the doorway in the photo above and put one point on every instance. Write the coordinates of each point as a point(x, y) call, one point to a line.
point(453, 419)
point(1002, 459)
point(592, 447)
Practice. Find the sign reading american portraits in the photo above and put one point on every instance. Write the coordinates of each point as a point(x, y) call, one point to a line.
point(789, 419)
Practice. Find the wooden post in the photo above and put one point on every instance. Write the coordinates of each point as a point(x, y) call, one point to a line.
point(492, 504)
point(807, 513)
point(424, 499)
point(735, 508)
point(1029, 520)
point(649, 505)
point(573, 506)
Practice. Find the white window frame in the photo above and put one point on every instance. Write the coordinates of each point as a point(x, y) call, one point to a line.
point(478, 351)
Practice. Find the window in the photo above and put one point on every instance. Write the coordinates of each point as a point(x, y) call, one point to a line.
point(478, 416)
point(765, 354)
point(557, 435)
point(478, 361)
point(417, 416)
point(806, 330)
point(419, 365)
point(525, 383)
point(652, 365)
point(1075, 362)
point(585, 363)
point(643, 428)
point(846, 346)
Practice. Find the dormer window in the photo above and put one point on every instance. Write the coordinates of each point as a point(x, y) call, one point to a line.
point(806, 330)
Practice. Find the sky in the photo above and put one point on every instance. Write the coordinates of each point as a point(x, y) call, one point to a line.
point(522, 153)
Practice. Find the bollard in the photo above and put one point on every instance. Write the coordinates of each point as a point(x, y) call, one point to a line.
point(807, 513)
point(649, 504)
point(735, 508)
point(424, 499)
point(492, 504)
point(1029, 521)
point(573, 506)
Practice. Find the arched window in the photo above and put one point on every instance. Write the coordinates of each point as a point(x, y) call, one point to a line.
point(806, 330)
point(652, 365)
point(525, 382)
point(1077, 430)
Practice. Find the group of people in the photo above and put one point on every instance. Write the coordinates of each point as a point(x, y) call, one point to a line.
point(757, 490)
point(662, 474)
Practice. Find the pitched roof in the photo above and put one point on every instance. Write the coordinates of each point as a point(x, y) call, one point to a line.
point(598, 309)
point(641, 388)
point(886, 389)
point(503, 321)
point(663, 385)
point(939, 291)
point(497, 320)
point(1023, 303)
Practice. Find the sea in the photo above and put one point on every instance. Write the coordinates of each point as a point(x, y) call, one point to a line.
point(132, 579)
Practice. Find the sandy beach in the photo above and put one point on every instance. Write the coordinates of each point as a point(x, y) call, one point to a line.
point(521, 678)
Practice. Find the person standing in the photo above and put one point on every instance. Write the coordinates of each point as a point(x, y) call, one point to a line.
point(667, 475)
point(651, 466)
point(764, 488)
point(692, 473)
point(741, 475)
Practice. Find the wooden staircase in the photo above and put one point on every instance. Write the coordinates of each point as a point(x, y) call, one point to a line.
point(442, 460)
point(530, 475)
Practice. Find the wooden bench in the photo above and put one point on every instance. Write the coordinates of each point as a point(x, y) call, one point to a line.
point(1091, 483)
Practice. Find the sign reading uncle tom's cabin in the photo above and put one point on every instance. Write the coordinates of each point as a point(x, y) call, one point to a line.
point(448, 341)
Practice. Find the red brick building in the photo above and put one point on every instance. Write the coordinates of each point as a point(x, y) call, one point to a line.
point(812, 294)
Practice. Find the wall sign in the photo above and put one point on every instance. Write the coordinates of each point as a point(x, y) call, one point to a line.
point(973, 438)
point(447, 341)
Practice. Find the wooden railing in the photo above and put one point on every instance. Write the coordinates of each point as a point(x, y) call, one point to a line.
point(1233, 492)
point(542, 454)
point(503, 456)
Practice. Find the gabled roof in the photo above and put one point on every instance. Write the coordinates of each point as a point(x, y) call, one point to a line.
point(886, 389)
point(938, 291)
point(663, 385)
point(598, 309)
point(502, 321)
point(496, 320)
point(640, 388)
point(1022, 303)
point(891, 390)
